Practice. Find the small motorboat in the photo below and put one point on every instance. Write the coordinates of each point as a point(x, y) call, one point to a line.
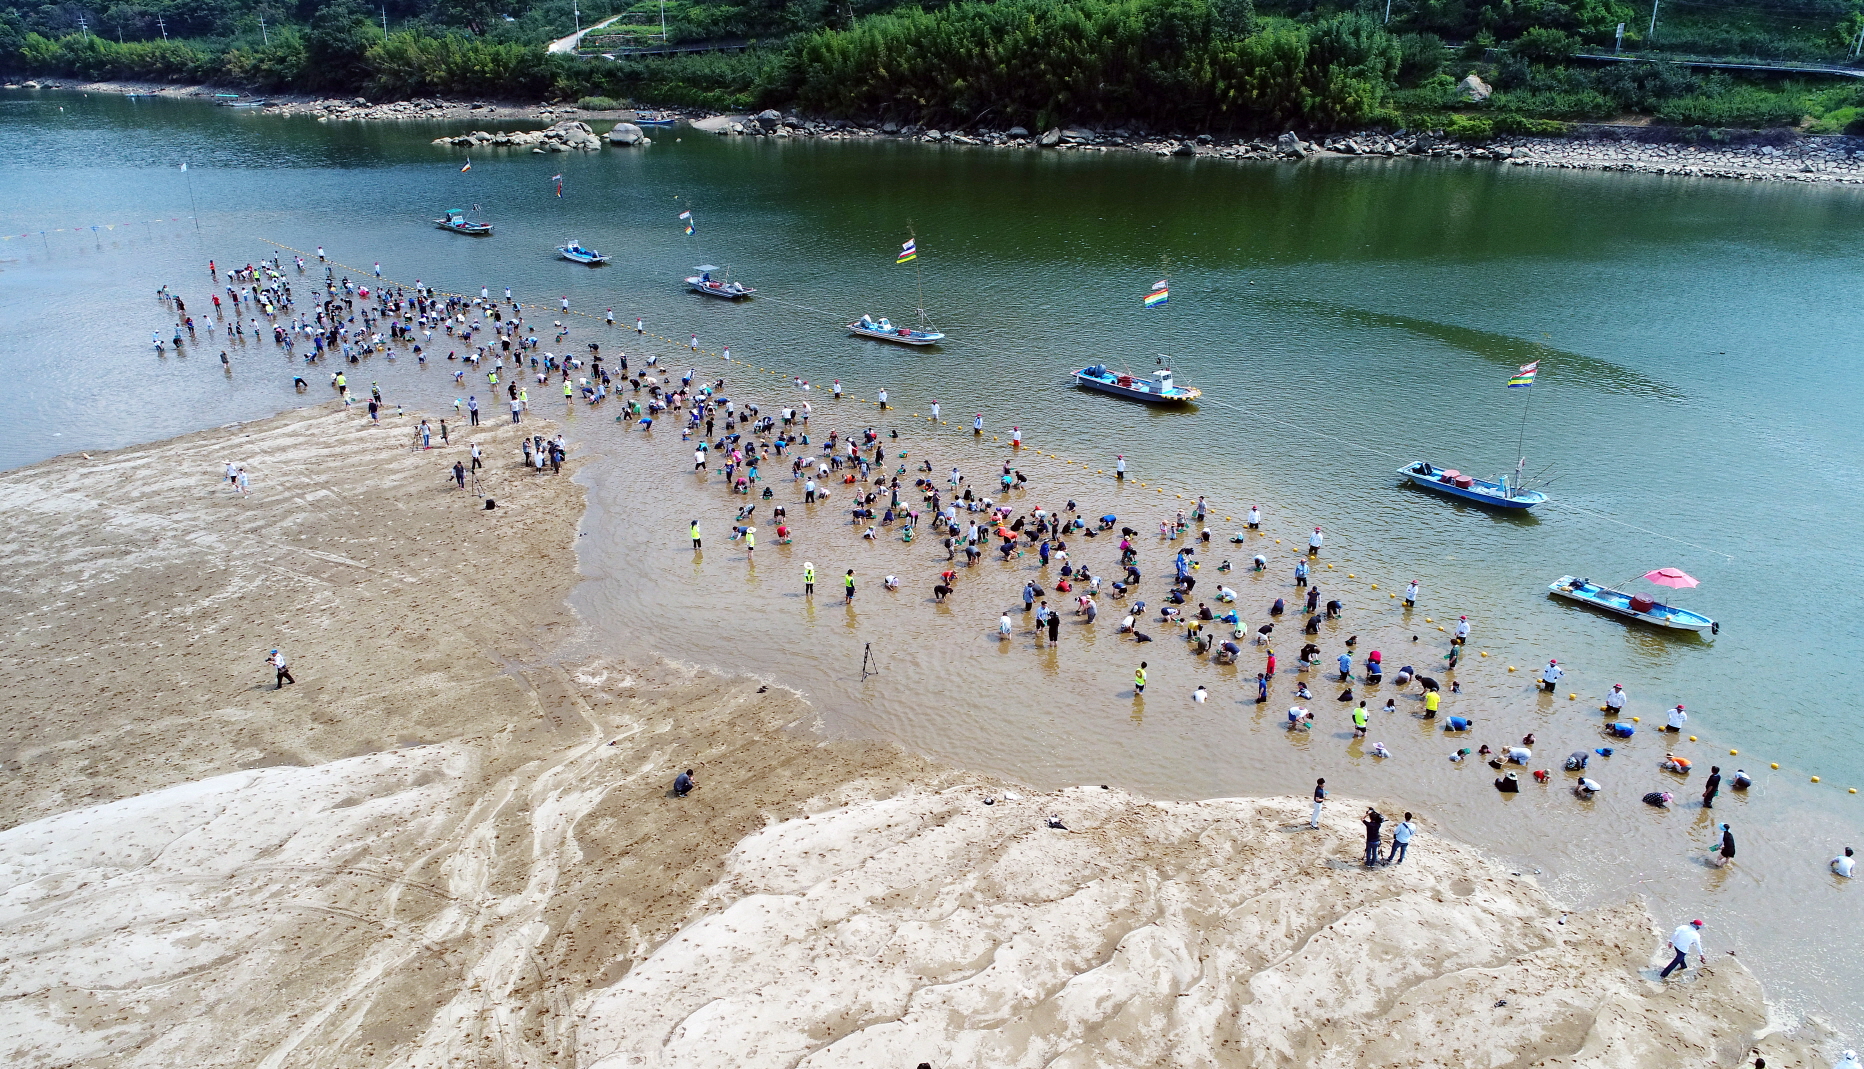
point(1156, 390)
point(457, 222)
point(655, 120)
point(1496, 493)
point(703, 282)
point(575, 251)
point(1635, 606)
point(882, 329)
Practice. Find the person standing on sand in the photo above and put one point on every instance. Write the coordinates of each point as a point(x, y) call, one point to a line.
point(1320, 798)
point(283, 674)
point(1374, 821)
point(1683, 940)
point(459, 474)
point(1401, 841)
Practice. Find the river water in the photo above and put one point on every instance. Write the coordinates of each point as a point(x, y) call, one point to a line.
point(1697, 408)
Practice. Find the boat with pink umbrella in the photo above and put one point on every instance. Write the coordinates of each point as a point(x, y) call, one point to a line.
point(1637, 606)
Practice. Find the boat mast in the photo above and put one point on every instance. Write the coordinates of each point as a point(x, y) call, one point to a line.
point(1521, 439)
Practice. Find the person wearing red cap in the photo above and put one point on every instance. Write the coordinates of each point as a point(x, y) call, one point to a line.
point(1550, 675)
point(1462, 631)
point(1677, 718)
point(1683, 940)
point(1314, 542)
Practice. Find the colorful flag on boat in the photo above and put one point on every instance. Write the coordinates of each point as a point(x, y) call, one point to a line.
point(463, 170)
point(687, 218)
point(558, 179)
point(1525, 377)
point(1161, 292)
point(908, 251)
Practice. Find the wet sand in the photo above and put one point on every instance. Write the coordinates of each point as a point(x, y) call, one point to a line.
point(444, 845)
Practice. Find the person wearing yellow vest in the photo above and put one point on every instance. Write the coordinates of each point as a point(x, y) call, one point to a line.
point(1431, 699)
point(1139, 679)
point(848, 582)
point(750, 540)
point(695, 534)
point(566, 389)
point(808, 579)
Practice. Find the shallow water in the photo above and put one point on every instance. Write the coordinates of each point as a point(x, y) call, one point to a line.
point(1342, 317)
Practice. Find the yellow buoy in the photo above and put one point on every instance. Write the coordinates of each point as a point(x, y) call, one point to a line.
point(1439, 626)
point(1428, 620)
point(1733, 753)
point(1511, 668)
point(1692, 738)
point(1278, 542)
point(1485, 653)
point(1181, 496)
point(1815, 779)
point(1635, 719)
point(1226, 519)
point(1776, 764)
point(1854, 790)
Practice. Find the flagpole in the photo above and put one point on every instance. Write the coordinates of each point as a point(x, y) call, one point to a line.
point(1521, 442)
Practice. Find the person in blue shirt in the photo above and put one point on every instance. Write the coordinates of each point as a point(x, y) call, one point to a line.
point(1346, 666)
point(1458, 723)
point(1401, 841)
point(683, 784)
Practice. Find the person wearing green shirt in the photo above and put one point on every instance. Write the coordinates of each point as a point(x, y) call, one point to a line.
point(695, 534)
point(848, 582)
point(1139, 679)
point(808, 579)
point(1359, 721)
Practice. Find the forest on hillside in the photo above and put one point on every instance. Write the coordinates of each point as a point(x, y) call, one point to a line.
point(1168, 65)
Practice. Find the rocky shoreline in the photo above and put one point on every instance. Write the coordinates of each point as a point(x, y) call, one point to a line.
point(1770, 156)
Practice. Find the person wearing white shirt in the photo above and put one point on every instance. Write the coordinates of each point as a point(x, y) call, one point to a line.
point(1844, 864)
point(1685, 939)
point(1677, 719)
point(1615, 701)
point(1314, 542)
point(1550, 675)
point(1255, 518)
point(1462, 630)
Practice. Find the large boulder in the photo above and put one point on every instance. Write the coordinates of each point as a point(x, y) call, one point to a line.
point(1290, 145)
point(770, 118)
point(1050, 138)
point(1017, 131)
point(1473, 88)
point(625, 133)
point(1185, 148)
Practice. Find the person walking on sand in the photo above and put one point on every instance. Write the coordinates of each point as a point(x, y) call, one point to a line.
point(1139, 680)
point(282, 673)
point(1683, 940)
point(1320, 798)
point(683, 784)
point(1401, 841)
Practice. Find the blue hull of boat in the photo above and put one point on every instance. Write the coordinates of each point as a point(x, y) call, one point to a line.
point(1480, 491)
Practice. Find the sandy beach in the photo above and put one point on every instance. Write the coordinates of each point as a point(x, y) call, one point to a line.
point(445, 844)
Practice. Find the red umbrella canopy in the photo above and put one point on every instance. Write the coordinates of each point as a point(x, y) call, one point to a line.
point(1671, 577)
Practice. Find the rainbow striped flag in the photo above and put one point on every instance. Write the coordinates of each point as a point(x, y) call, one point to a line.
point(1525, 377)
point(1161, 292)
point(908, 251)
point(687, 218)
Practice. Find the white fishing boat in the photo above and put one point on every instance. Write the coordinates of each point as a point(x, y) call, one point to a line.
point(703, 282)
point(575, 251)
point(882, 329)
